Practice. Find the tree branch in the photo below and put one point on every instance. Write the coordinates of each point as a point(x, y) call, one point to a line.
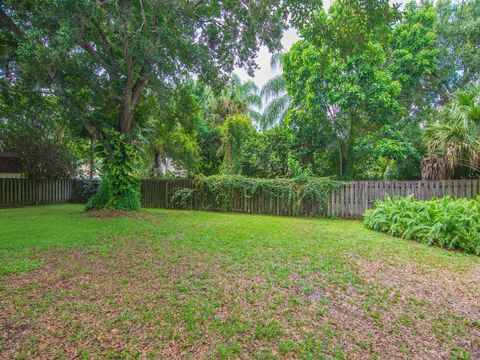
point(87, 46)
point(139, 85)
point(10, 24)
point(105, 42)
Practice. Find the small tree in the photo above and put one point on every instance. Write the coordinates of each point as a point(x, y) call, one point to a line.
point(235, 131)
point(455, 136)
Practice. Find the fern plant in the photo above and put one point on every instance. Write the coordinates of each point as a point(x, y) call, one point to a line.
point(452, 224)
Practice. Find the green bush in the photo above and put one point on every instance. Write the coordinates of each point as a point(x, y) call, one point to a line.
point(182, 197)
point(128, 201)
point(120, 188)
point(101, 197)
point(453, 224)
point(106, 198)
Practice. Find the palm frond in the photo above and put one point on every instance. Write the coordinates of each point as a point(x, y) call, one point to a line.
point(255, 116)
point(274, 112)
point(273, 88)
point(253, 99)
point(456, 133)
point(276, 60)
point(249, 87)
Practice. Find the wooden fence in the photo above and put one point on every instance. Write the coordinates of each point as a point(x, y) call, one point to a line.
point(349, 201)
point(21, 192)
point(353, 198)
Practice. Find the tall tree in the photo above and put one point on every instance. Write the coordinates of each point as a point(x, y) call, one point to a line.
point(352, 72)
point(100, 57)
point(459, 43)
point(274, 95)
point(338, 71)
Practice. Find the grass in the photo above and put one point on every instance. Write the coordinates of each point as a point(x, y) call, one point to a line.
point(182, 284)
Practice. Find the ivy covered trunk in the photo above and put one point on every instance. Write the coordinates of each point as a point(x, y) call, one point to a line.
point(120, 187)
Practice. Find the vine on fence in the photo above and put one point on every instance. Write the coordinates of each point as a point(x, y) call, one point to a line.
point(290, 192)
point(182, 197)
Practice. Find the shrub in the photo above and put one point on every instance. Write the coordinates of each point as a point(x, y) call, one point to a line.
point(453, 224)
point(101, 197)
point(182, 197)
point(129, 200)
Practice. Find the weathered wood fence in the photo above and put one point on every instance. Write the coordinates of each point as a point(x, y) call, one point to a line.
point(20, 192)
point(353, 198)
point(349, 201)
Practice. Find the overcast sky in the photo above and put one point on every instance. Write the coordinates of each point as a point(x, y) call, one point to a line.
point(265, 73)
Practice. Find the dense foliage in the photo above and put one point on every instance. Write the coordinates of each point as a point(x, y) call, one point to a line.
point(37, 133)
point(350, 76)
point(103, 59)
point(291, 193)
point(120, 189)
point(370, 91)
point(355, 95)
point(235, 131)
point(455, 135)
point(453, 224)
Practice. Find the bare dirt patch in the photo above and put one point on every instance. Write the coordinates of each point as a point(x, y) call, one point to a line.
point(443, 289)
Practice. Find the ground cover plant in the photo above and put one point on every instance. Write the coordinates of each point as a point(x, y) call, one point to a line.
point(453, 224)
point(186, 284)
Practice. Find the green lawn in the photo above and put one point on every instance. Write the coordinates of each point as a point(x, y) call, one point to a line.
point(184, 284)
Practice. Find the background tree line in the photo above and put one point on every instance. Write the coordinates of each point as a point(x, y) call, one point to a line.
point(370, 91)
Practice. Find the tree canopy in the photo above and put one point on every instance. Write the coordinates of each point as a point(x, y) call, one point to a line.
point(103, 58)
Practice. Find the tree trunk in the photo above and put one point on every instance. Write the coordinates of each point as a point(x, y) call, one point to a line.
point(435, 168)
point(120, 188)
point(92, 159)
point(340, 158)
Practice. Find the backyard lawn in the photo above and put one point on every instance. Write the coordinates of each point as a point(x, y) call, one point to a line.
point(184, 284)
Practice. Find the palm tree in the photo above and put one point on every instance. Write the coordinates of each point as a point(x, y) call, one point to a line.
point(455, 136)
point(275, 95)
point(236, 98)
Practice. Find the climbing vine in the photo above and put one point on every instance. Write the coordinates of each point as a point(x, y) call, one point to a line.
point(120, 188)
point(182, 197)
point(311, 192)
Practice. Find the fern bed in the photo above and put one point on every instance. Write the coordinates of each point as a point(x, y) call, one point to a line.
point(449, 223)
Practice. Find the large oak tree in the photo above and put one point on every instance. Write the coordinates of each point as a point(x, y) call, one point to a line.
point(102, 57)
